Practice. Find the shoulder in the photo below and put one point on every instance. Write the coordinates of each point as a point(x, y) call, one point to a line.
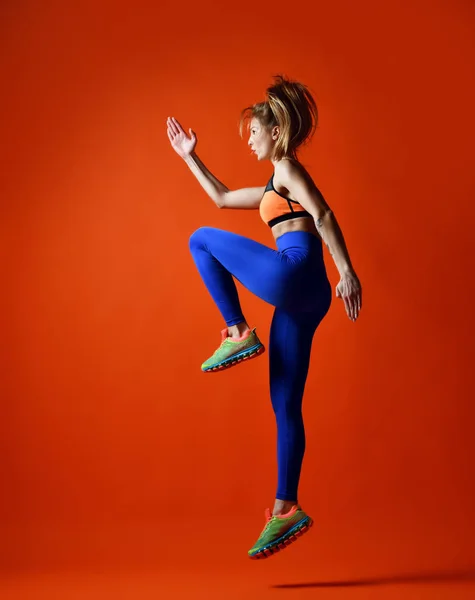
point(290, 170)
point(299, 186)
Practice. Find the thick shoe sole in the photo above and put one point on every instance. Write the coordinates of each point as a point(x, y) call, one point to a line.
point(288, 538)
point(235, 359)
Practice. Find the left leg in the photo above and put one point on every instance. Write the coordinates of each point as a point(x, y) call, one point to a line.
point(289, 352)
point(290, 346)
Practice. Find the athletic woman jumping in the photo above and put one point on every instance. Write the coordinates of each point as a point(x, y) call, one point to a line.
point(292, 278)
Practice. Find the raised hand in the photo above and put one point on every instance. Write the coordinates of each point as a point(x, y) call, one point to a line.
point(349, 289)
point(181, 143)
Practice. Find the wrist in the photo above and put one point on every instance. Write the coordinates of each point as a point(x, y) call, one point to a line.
point(190, 158)
point(347, 271)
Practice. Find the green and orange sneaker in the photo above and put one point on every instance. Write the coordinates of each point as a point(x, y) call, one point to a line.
point(280, 531)
point(231, 352)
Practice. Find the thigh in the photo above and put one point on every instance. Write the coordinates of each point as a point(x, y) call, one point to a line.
point(265, 272)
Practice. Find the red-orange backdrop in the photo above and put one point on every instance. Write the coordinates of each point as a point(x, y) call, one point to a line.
point(109, 431)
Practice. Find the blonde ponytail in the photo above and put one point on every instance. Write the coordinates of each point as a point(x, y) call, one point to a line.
point(290, 105)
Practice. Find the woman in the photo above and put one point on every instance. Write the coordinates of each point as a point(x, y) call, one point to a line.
point(292, 278)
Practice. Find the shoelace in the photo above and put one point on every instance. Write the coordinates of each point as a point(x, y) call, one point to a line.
point(268, 518)
point(268, 515)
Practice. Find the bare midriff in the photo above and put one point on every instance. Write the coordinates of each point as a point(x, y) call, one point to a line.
point(298, 224)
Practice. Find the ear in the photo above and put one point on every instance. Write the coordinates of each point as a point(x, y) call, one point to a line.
point(275, 132)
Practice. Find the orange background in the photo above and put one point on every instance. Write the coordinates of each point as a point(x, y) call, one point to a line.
point(117, 453)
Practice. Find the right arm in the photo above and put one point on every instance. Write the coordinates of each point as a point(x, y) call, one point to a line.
point(222, 196)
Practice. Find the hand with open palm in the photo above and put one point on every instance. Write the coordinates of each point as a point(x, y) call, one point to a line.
point(181, 143)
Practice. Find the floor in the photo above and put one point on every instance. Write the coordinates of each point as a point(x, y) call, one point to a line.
point(195, 560)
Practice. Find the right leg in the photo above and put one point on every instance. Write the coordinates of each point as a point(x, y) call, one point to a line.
point(219, 256)
point(290, 277)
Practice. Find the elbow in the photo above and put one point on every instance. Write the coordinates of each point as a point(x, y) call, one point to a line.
point(322, 216)
point(221, 201)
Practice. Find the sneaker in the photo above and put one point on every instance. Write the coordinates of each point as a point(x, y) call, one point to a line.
point(231, 352)
point(280, 531)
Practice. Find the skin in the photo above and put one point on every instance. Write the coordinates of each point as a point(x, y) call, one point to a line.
point(292, 180)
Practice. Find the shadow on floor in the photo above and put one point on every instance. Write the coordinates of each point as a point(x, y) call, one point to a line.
point(453, 576)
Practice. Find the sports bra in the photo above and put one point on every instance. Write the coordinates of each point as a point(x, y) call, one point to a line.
point(275, 208)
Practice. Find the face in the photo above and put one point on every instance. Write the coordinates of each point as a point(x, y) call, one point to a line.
point(261, 140)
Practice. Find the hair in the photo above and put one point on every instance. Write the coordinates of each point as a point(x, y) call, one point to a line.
point(290, 105)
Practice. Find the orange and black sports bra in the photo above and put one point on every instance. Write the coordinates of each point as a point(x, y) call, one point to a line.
point(275, 208)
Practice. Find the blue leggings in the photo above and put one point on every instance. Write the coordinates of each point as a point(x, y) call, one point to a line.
point(294, 280)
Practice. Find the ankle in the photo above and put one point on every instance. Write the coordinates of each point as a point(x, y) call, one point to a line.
point(237, 331)
point(282, 507)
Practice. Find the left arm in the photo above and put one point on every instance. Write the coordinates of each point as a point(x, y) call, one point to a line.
point(332, 235)
point(302, 188)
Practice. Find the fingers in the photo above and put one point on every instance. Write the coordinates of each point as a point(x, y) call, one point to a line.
point(346, 300)
point(356, 304)
point(172, 126)
point(350, 308)
point(177, 125)
point(171, 133)
point(355, 309)
point(350, 292)
point(351, 305)
point(359, 293)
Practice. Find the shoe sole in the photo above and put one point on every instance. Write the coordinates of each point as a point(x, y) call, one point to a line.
point(235, 359)
point(288, 538)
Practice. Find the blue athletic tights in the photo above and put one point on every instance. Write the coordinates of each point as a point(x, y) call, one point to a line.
point(294, 280)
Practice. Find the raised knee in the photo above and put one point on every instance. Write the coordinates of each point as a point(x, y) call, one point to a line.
point(198, 237)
